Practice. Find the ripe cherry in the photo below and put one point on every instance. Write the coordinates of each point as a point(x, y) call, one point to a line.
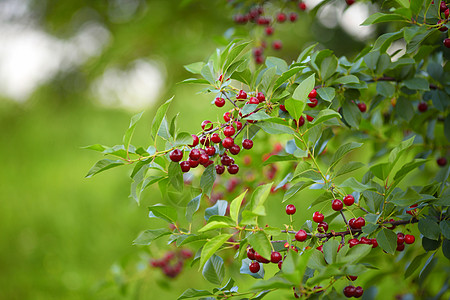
point(207, 125)
point(251, 253)
point(350, 2)
point(320, 248)
point(277, 45)
point(185, 166)
point(337, 205)
point(446, 42)
point(203, 158)
point(309, 118)
point(219, 102)
point(422, 106)
point(269, 30)
point(193, 163)
point(194, 154)
point(318, 217)
point(441, 161)
point(247, 144)
point(226, 160)
point(281, 17)
point(241, 95)
point(446, 13)
point(238, 125)
point(220, 169)
point(229, 131)
point(275, 257)
point(254, 267)
point(360, 223)
point(227, 116)
point(301, 121)
point(261, 259)
point(293, 17)
point(322, 227)
point(195, 141)
point(210, 151)
point(358, 292)
point(290, 209)
point(349, 200)
point(365, 241)
point(233, 169)
point(258, 51)
point(400, 238)
point(374, 243)
point(353, 242)
point(253, 100)
point(302, 6)
point(352, 278)
point(259, 60)
point(409, 239)
point(204, 141)
point(227, 142)
point(260, 96)
point(400, 247)
point(313, 102)
point(235, 149)
point(282, 107)
point(176, 155)
point(301, 235)
point(280, 264)
point(215, 138)
point(443, 6)
point(312, 94)
point(362, 107)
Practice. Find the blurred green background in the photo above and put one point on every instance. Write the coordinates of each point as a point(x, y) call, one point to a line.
point(72, 74)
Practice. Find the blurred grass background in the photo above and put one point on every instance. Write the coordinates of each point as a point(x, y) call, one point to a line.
point(64, 236)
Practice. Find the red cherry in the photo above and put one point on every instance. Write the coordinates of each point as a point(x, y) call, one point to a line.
point(247, 144)
point(446, 13)
point(251, 253)
point(193, 163)
point(349, 2)
point(176, 155)
point(409, 239)
point(194, 154)
point(442, 27)
point(349, 291)
point(362, 107)
point(422, 107)
point(352, 278)
point(374, 243)
point(293, 17)
point(302, 6)
point(226, 160)
point(235, 149)
point(185, 166)
point(220, 169)
point(215, 138)
point(229, 131)
point(204, 141)
point(258, 51)
point(301, 235)
point(238, 125)
point(280, 264)
point(259, 60)
point(261, 259)
point(349, 200)
point(290, 209)
point(360, 222)
point(309, 118)
point(353, 242)
point(253, 100)
point(312, 94)
point(318, 217)
point(301, 121)
point(337, 205)
point(365, 241)
point(400, 247)
point(195, 141)
point(227, 116)
point(281, 17)
point(260, 96)
point(400, 238)
point(269, 30)
point(282, 107)
point(320, 248)
point(446, 42)
point(322, 227)
point(277, 45)
point(441, 161)
point(203, 158)
point(241, 95)
point(233, 169)
point(275, 257)
point(219, 102)
point(254, 267)
point(358, 292)
point(351, 223)
point(442, 6)
point(210, 151)
point(313, 102)
point(228, 142)
point(186, 253)
point(207, 125)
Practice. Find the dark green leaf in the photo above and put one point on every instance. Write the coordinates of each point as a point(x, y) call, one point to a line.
point(295, 189)
point(193, 293)
point(417, 83)
point(381, 170)
point(349, 167)
point(304, 88)
point(103, 165)
point(429, 245)
point(192, 207)
point(342, 150)
point(445, 228)
point(330, 249)
point(328, 67)
point(157, 120)
point(280, 64)
point(163, 212)
point(327, 93)
point(274, 128)
point(416, 262)
point(429, 228)
point(214, 270)
point(380, 18)
point(277, 158)
point(351, 114)
point(207, 180)
point(148, 236)
point(387, 240)
point(219, 209)
point(175, 176)
point(285, 76)
point(385, 89)
point(347, 79)
point(324, 115)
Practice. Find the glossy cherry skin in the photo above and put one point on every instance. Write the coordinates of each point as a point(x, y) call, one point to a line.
point(290, 209)
point(301, 235)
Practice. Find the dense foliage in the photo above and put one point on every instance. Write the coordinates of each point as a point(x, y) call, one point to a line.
point(288, 127)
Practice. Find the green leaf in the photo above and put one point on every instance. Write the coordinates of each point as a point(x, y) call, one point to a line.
point(429, 228)
point(285, 76)
point(381, 170)
point(267, 78)
point(274, 128)
point(211, 247)
point(175, 176)
point(214, 270)
point(207, 180)
point(193, 293)
point(214, 225)
point(343, 150)
point(96, 147)
point(445, 228)
point(103, 165)
point(163, 212)
point(148, 236)
point(192, 207)
point(328, 67)
point(387, 240)
point(355, 254)
point(351, 114)
point(235, 206)
point(245, 269)
point(327, 93)
point(272, 283)
point(295, 107)
point(158, 119)
point(324, 115)
point(304, 88)
point(233, 53)
point(296, 188)
point(385, 89)
point(195, 80)
point(258, 199)
point(349, 167)
point(277, 158)
point(280, 64)
point(195, 68)
point(208, 72)
point(330, 250)
point(407, 198)
point(417, 83)
point(129, 133)
point(399, 150)
point(183, 138)
point(260, 243)
point(257, 116)
point(416, 262)
point(380, 18)
point(356, 185)
point(416, 6)
point(348, 79)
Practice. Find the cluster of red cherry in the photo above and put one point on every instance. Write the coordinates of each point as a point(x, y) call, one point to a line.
point(172, 262)
point(444, 14)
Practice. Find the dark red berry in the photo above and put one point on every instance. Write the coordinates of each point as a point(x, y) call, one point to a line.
point(275, 257)
point(254, 267)
point(443, 6)
point(227, 116)
point(282, 107)
point(204, 141)
point(400, 238)
point(446, 13)
point(203, 158)
point(358, 292)
point(269, 30)
point(446, 42)
point(351, 223)
point(259, 60)
point(352, 278)
point(277, 45)
point(235, 149)
point(238, 125)
point(194, 154)
point(442, 27)
point(281, 17)
point(309, 118)
point(312, 94)
point(241, 95)
point(374, 243)
point(353, 242)
point(185, 166)
point(258, 51)
point(293, 17)
point(400, 247)
point(219, 102)
point(360, 222)
point(320, 248)
point(247, 144)
point(207, 125)
point(301, 121)
point(210, 151)
point(301, 235)
point(193, 163)
point(233, 169)
point(229, 131)
point(186, 253)
point(280, 264)
point(260, 96)
point(422, 107)
point(362, 107)
point(322, 227)
point(215, 138)
point(176, 155)
point(251, 254)
point(409, 239)
point(349, 200)
point(350, 2)
point(253, 100)
point(261, 259)
point(302, 6)
point(318, 217)
point(337, 205)
point(313, 102)
point(195, 141)
point(290, 209)
point(226, 160)
point(227, 142)
point(220, 169)
point(441, 161)
point(365, 241)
